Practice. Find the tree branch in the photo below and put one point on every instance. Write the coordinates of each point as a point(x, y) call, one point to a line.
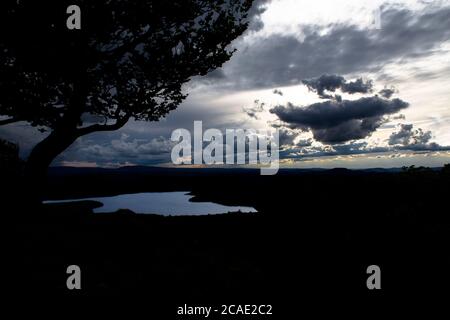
point(103, 127)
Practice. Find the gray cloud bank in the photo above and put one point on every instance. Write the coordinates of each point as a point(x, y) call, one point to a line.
point(405, 139)
point(332, 83)
point(282, 60)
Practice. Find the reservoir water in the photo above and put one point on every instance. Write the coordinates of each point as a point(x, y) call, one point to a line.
point(163, 203)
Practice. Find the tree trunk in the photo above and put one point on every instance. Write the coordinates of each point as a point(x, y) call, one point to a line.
point(43, 154)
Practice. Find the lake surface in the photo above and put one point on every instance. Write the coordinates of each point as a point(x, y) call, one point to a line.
point(163, 203)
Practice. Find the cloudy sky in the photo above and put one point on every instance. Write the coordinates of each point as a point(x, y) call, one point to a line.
point(349, 83)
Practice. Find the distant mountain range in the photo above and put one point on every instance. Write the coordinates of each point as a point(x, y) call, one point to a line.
point(149, 170)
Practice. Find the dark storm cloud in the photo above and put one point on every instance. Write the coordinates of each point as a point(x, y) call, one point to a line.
point(278, 92)
point(357, 86)
point(355, 148)
point(332, 83)
point(121, 150)
point(253, 112)
point(387, 92)
point(408, 138)
point(403, 136)
point(339, 121)
point(280, 60)
point(287, 137)
point(258, 8)
point(405, 139)
point(324, 83)
point(349, 130)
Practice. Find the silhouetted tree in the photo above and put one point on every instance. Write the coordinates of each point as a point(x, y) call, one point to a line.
point(421, 172)
point(128, 61)
point(446, 170)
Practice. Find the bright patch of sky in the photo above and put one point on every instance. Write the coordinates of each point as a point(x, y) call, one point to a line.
point(285, 16)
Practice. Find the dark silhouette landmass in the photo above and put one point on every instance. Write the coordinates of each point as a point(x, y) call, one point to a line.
point(315, 234)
